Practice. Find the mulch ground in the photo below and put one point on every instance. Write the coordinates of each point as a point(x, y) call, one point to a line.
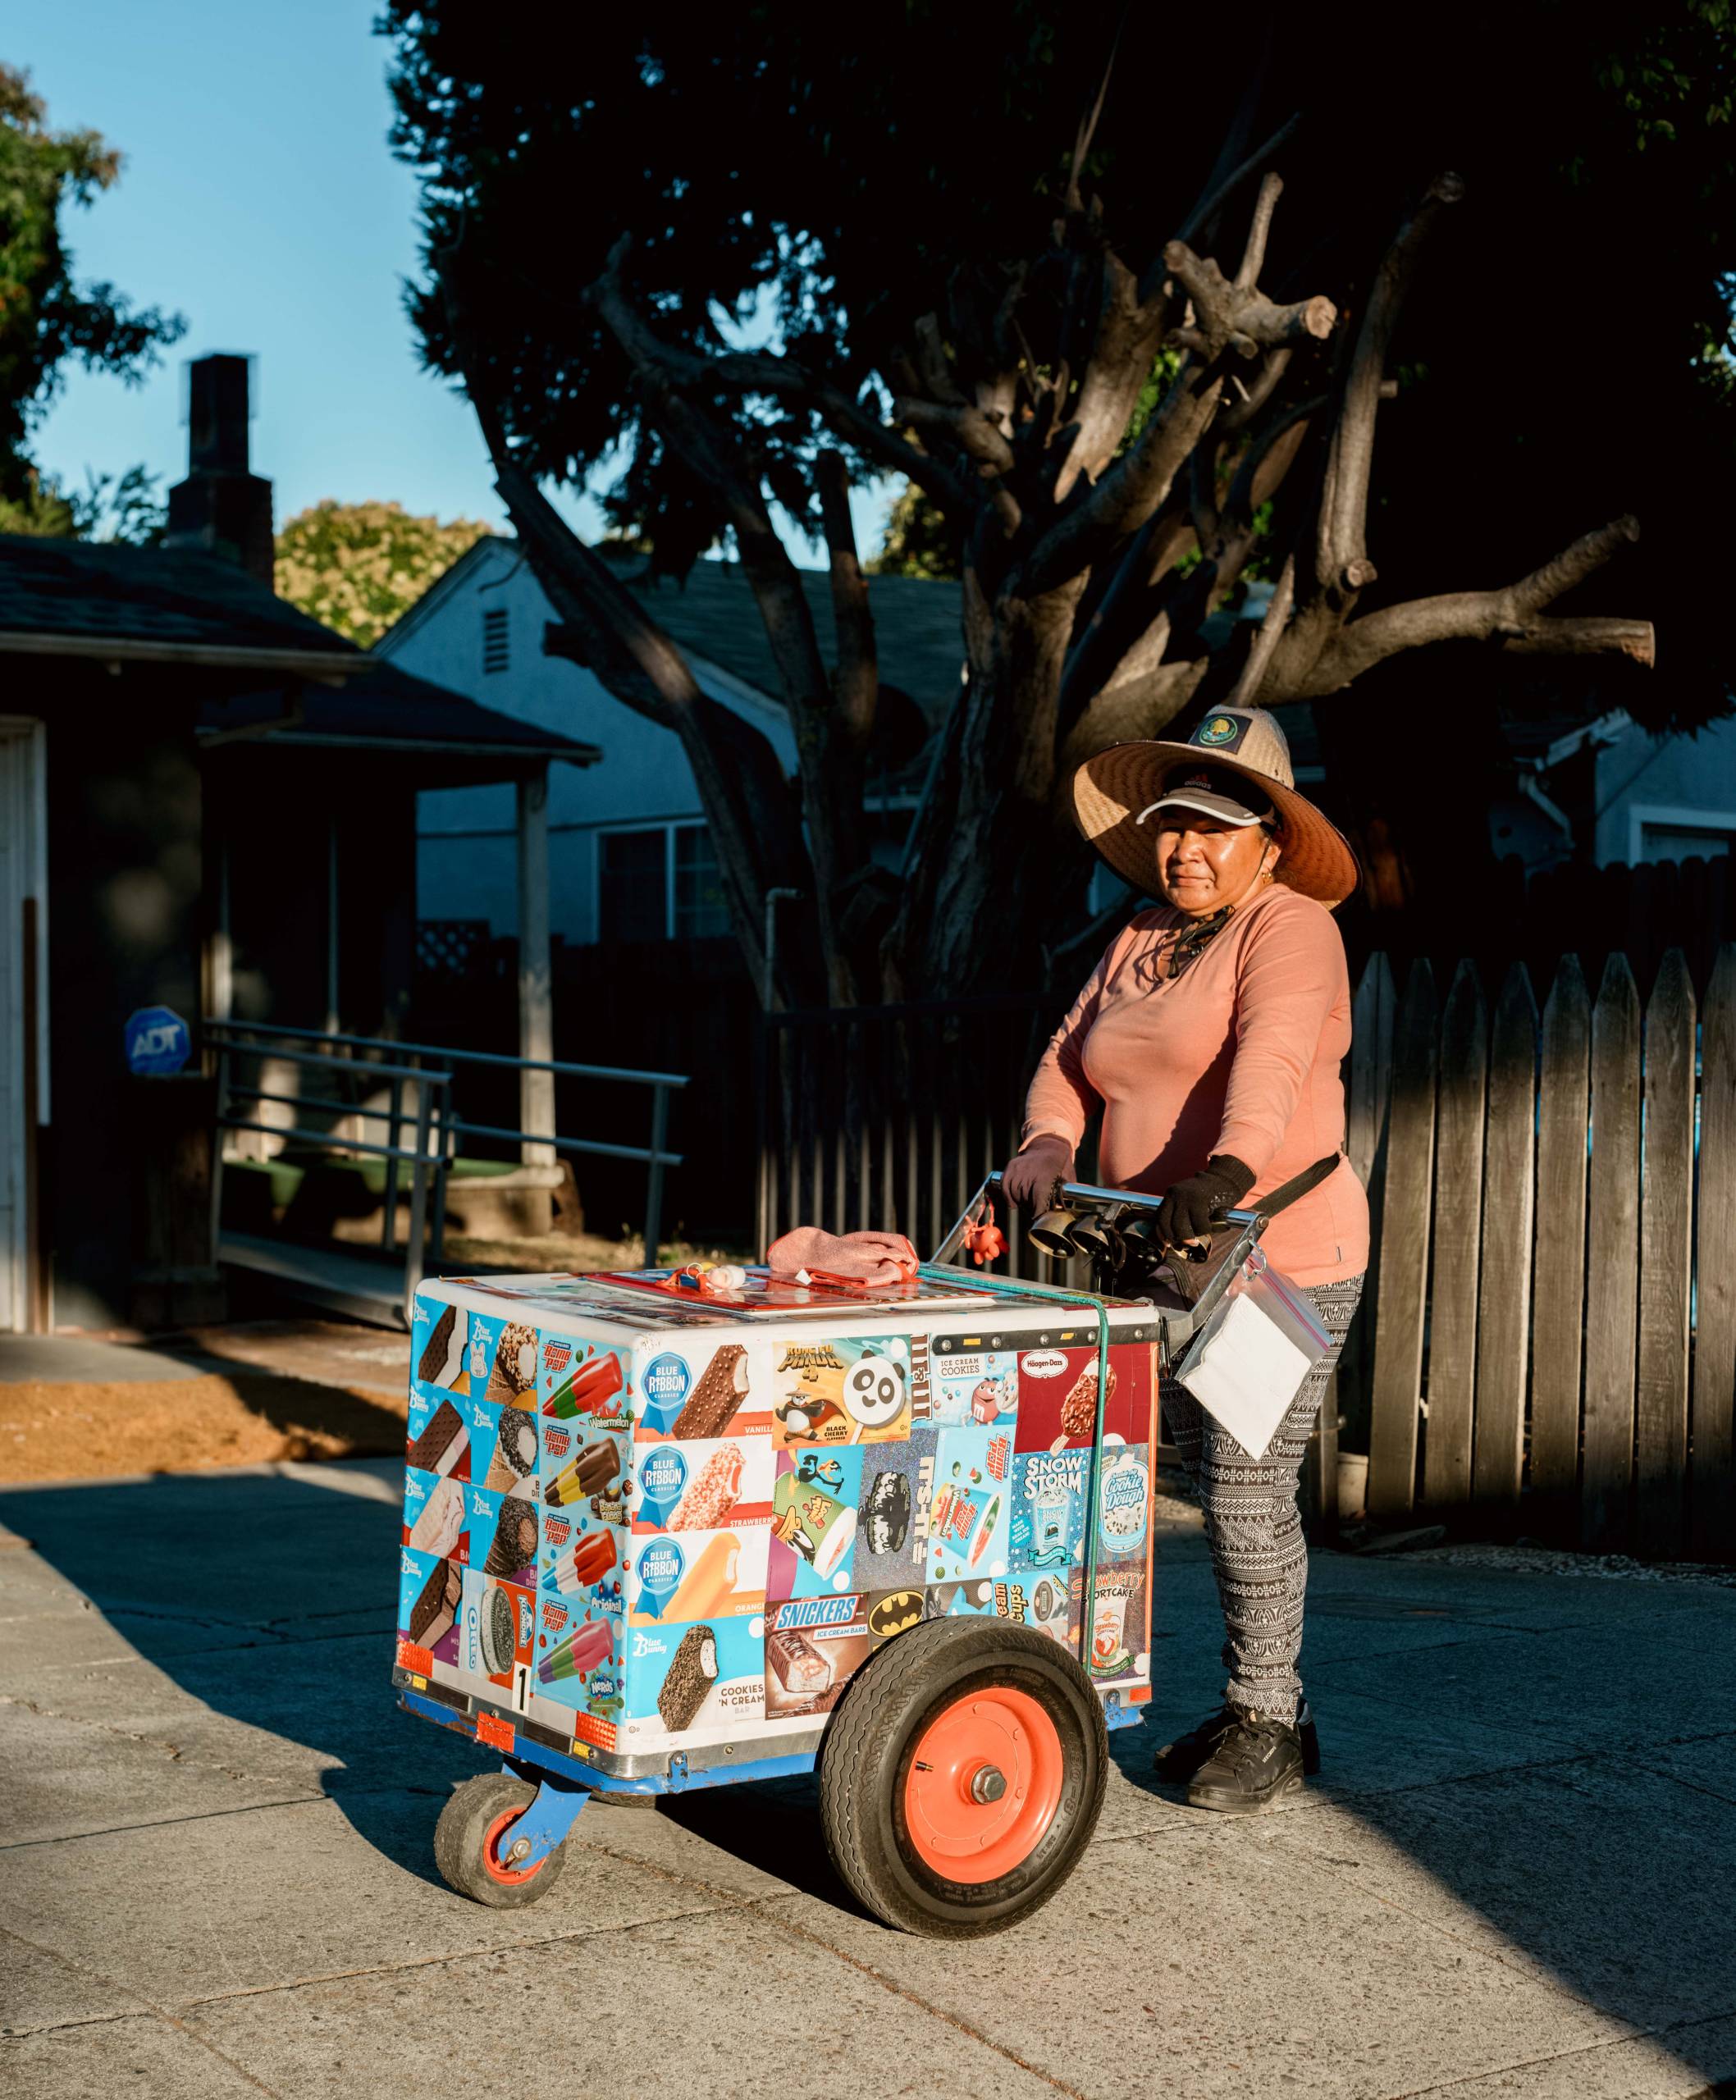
point(180, 1425)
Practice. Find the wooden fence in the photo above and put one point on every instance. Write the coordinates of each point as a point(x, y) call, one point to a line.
point(1549, 1340)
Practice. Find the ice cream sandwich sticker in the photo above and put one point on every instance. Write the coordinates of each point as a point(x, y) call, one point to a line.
point(437, 1339)
point(438, 1441)
point(430, 1593)
point(435, 1516)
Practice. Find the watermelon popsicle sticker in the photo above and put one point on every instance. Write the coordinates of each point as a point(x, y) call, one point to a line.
point(588, 1389)
point(579, 1652)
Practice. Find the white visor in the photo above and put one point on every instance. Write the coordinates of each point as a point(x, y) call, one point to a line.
point(1208, 804)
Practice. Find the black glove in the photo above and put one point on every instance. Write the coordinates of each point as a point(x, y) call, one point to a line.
point(1190, 1209)
point(1029, 1175)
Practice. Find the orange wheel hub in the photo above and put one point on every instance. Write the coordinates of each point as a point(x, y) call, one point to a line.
point(984, 1785)
point(495, 1843)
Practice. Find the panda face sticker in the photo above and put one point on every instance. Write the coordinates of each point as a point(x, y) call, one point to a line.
point(875, 1391)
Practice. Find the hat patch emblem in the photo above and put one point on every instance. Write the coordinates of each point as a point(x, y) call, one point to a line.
point(1219, 730)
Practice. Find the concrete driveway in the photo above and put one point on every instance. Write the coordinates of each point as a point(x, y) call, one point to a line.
point(1518, 1875)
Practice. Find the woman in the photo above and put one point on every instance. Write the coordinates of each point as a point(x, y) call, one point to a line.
point(1211, 1034)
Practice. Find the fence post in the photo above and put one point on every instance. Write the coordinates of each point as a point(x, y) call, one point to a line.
point(1666, 1225)
point(414, 1252)
point(1452, 1326)
point(389, 1223)
point(1398, 1344)
point(1714, 1475)
point(654, 1176)
point(1557, 1333)
point(1612, 1304)
point(1504, 1304)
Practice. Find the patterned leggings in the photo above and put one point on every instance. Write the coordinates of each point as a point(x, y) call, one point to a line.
point(1252, 1524)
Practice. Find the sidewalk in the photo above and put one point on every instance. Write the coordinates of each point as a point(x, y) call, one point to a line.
point(1514, 1878)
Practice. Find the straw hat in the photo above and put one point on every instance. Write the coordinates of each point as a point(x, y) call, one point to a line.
point(1113, 790)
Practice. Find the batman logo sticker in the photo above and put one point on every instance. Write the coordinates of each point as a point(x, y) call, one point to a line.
point(895, 1612)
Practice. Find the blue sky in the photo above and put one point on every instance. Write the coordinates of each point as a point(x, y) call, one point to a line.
point(259, 199)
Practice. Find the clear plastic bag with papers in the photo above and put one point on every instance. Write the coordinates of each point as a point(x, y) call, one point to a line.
point(1246, 1364)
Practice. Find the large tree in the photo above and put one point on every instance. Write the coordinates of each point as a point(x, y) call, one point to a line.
point(49, 322)
point(737, 268)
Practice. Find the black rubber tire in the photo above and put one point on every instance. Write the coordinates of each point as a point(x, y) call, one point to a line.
point(463, 1830)
point(865, 1756)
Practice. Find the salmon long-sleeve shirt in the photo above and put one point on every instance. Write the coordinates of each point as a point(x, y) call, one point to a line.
point(1239, 1054)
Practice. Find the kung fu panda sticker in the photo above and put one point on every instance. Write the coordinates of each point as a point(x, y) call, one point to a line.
point(839, 1391)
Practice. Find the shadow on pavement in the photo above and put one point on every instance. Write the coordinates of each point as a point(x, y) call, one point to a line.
point(1543, 1770)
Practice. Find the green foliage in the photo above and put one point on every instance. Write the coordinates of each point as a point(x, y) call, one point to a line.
point(917, 541)
point(358, 566)
point(125, 509)
point(47, 321)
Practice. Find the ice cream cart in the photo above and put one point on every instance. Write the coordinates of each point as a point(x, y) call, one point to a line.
point(659, 1535)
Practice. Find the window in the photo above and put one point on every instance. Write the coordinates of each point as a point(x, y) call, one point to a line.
point(1656, 832)
point(633, 885)
point(701, 913)
point(494, 639)
point(659, 884)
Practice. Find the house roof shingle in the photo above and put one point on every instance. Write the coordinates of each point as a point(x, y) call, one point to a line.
point(177, 596)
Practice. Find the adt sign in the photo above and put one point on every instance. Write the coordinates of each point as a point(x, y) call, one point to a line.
point(157, 1041)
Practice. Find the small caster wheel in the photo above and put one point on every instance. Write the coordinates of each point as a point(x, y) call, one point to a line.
point(473, 1844)
point(962, 1776)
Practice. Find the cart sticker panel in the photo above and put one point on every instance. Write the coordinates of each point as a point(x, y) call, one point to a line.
point(1051, 1601)
point(587, 1388)
point(436, 1513)
point(1049, 1502)
point(815, 1503)
point(977, 1386)
point(577, 1660)
point(815, 1645)
point(1120, 1624)
point(697, 1574)
point(695, 1389)
point(840, 1389)
point(891, 1548)
point(436, 1436)
point(496, 1629)
point(1057, 1396)
point(430, 1600)
point(503, 1533)
point(703, 1681)
point(587, 1470)
point(970, 1518)
point(703, 1486)
point(1124, 1503)
point(584, 1562)
point(438, 1334)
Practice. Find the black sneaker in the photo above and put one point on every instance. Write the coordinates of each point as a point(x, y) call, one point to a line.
point(1256, 1764)
point(1178, 1761)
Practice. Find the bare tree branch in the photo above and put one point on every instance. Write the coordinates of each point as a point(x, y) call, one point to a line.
point(1208, 208)
point(1271, 630)
point(968, 427)
point(1514, 618)
point(1253, 255)
point(1343, 552)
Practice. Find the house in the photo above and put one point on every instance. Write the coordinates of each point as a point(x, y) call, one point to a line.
point(630, 857)
point(207, 802)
